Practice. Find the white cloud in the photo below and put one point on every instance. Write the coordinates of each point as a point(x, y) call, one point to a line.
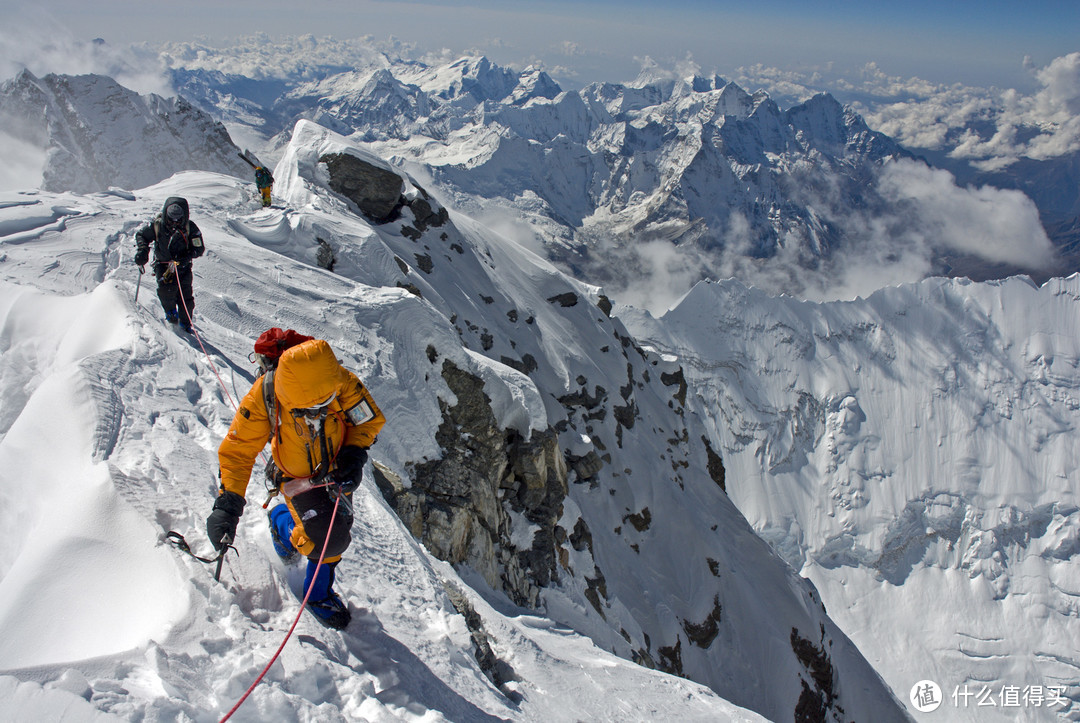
point(922, 214)
point(991, 127)
point(21, 163)
point(1060, 96)
point(796, 85)
point(570, 48)
point(994, 224)
point(32, 41)
point(663, 274)
point(1042, 125)
point(302, 57)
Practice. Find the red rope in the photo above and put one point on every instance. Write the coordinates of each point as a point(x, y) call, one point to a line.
point(180, 293)
point(326, 542)
point(297, 620)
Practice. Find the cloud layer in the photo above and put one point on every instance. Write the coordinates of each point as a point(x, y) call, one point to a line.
point(990, 127)
point(920, 214)
point(32, 41)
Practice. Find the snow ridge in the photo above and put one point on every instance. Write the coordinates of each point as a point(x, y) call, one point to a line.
point(145, 411)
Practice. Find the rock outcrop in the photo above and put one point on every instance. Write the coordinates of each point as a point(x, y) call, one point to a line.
point(492, 501)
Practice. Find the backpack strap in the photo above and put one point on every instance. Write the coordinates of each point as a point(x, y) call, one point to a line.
point(159, 223)
point(270, 400)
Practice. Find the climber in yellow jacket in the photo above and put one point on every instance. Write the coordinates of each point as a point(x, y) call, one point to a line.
point(320, 421)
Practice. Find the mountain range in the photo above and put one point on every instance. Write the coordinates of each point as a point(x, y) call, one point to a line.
point(559, 453)
point(532, 444)
point(651, 186)
point(148, 137)
point(670, 180)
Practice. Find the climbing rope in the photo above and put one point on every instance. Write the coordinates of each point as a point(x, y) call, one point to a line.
point(178, 540)
point(294, 623)
point(187, 312)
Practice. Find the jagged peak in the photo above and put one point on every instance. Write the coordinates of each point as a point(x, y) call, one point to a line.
point(823, 102)
point(702, 84)
point(533, 82)
point(825, 116)
point(471, 76)
point(24, 76)
point(652, 75)
point(471, 62)
point(477, 67)
point(762, 103)
point(383, 78)
point(734, 101)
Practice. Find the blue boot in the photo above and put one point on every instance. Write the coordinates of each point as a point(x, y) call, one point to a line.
point(325, 604)
point(281, 527)
point(172, 316)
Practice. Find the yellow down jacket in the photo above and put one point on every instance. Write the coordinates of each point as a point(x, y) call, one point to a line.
point(307, 375)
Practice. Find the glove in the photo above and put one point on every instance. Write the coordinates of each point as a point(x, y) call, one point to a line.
point(142, 256)
point(350, 467)
point(223, 519)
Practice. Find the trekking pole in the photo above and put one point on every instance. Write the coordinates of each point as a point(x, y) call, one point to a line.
point(225, 544)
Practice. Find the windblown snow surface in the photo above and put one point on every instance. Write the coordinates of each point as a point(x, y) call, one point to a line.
point(836, 415)
point(914, 454)
point(110, 420)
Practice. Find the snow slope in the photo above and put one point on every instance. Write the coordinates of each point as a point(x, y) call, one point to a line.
point(914, 454)
point(110, 423)
point(100, 616)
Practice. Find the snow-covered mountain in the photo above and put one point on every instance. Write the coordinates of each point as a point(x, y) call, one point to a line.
point(914, 454)
point(587, 547)
point(657, 183)
point(908, 452)
point(98, 134)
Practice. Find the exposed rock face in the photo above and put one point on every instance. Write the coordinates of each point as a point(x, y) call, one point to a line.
point(499, 671)
point(377, 191)
point(818, 698)
point(324, 255)
point(379, 194)
point(491, 491)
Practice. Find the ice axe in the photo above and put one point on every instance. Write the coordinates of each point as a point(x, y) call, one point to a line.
point(225, 545)
point(138, 284)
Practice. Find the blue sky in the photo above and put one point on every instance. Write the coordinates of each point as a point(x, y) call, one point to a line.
point(980, 42)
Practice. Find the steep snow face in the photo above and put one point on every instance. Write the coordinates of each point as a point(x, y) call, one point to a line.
point(632, 578)
point(110, 428)
point(99, 134)
point(656, 563)
point(910, 452)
